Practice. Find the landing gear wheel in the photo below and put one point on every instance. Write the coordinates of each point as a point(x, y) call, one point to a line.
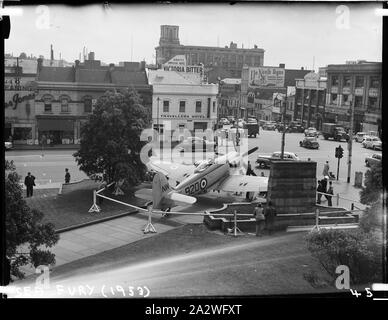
point(262, 165)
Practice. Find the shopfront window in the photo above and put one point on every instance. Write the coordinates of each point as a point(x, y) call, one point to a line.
point(22, 133)
point(358, 102)
point(166, 106)
point(372, 103)
point(334, 97)
point(346, 99)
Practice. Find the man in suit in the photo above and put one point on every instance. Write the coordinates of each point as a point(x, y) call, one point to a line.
point(29, 182)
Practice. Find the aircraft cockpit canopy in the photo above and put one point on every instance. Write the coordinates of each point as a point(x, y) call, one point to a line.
point(205, 164)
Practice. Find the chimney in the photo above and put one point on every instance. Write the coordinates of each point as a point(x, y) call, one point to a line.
point(51, 53)
point(255, 46)
point(142, 65)
point(91, 56)
point(282, 65)
point(39, 66)
point(302, 68)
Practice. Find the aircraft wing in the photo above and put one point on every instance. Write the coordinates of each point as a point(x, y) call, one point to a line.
point(174, 171)
point(181, 199)
point(243, 183)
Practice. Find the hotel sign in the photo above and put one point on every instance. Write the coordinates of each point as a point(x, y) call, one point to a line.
point(182, 116)
point(373, 92)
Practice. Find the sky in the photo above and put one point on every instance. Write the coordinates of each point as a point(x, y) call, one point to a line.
point(299, 35)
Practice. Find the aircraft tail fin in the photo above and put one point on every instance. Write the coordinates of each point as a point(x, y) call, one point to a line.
point(160, 188)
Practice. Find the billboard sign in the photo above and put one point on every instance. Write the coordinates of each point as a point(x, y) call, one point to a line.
point(266, 77)
point(179, 64)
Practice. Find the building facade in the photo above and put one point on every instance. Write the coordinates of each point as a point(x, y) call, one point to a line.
point(62, 98)
point(357, 84)
point(229, 58)
point(310, 98)
point(181, 101)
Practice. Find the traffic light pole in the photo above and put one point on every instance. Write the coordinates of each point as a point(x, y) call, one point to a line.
point(284, 127)
point(350, 143)
point(338, 168)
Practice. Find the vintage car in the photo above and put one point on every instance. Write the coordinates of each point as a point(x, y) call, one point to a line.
point(192, 144)
point(265, 161)
point(8, 145)
point(309, 143)
point(269, 125)
point(311, 132)
point(376, 158)
point(359, 136)
point(371, 142)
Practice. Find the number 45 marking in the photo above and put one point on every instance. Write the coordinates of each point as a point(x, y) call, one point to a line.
point(369, 294)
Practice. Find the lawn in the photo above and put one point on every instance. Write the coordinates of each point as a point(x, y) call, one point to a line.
point(72, 208)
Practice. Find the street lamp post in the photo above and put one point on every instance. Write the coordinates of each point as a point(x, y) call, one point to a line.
point(284, 127)
point(350, 142)
point(157, 117)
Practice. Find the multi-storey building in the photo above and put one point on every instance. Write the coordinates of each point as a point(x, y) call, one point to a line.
point(63, 98)
point(359, 84)
point(182, 101)
point(310, 97)
point(229, 58)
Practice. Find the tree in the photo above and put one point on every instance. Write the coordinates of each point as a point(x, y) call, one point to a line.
point(373, 189)
point(24, 228)
point(110, 139)
point(23, 55)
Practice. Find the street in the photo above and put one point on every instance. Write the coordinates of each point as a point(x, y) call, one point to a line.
point(47, 167)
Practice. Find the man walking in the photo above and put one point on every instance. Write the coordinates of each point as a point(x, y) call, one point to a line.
point(319, 190)
point(269, 214)
point(67, 176)
point(29, 182)
point(260, 220)
point(329, 191)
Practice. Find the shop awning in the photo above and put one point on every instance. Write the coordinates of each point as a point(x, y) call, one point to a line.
point(55, 125)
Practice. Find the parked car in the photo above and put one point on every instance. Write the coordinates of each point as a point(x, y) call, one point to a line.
point(311, 132)
point(310, 143)
point(374, 159)
point(370, 142)
point(253, 129)
point(8, 145)
point(359, 136)
point(196, 144)
point(252, 120)
point(265, 161)
point(269, 125)
point(332, 130)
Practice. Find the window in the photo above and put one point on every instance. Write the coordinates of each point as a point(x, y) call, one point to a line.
point(334, 98)
point(47, 99)
point(374, 82)
point(64, 105)
point(346, 99)
point(166, 106)
point(87, 105)
point(182, 106)
point(347, 81)
point(334, 80)
point(358, 102)
point(214, 106)
point(198, 106)
point(359, 81)
point(372, 103)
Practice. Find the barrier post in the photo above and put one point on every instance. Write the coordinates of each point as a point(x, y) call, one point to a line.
point(352, 207)
point(316, 220)
point(337, 199)
point(149, 227)
point(236, 229)
point(94, 207)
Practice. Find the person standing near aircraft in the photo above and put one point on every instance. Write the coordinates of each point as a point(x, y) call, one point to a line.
point(260, 220)
point(269, 214)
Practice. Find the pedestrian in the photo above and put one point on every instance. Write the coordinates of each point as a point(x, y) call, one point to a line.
point(67, 176)
point(29, 182)
point(270, 215)
point(308, 159)
point(326, 169)
point(319, 190)
point(329, 191)
point(260, 220)
point(324, 184)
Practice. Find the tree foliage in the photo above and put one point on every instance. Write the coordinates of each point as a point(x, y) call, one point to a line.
point(110, 139)
point(27, 238)
point(358, 250)
point(373, 188)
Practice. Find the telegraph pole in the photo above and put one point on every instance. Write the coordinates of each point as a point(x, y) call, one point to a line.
point(350, 142)
point(284, 126)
